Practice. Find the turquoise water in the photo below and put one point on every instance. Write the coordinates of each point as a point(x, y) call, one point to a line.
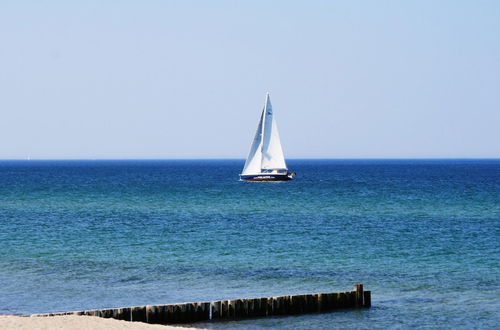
point(422, 235)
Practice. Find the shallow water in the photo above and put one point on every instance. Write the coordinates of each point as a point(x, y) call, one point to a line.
point(422, 235)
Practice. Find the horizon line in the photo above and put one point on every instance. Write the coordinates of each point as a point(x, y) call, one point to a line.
point(243, 159)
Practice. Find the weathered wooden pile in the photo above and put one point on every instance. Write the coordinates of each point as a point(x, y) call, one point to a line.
point(236, 309)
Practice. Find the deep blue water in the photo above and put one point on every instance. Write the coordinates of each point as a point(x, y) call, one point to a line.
point(423, 235)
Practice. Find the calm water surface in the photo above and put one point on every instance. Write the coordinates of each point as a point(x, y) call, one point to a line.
point(422, 235)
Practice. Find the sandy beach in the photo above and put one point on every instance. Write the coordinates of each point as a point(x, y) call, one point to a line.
point(74, 322)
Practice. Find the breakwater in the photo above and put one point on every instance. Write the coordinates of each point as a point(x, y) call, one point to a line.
point(235, 309)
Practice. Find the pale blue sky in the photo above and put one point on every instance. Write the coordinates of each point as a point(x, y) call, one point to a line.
point(187, 79)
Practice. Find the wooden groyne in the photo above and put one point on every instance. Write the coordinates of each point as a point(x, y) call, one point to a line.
point(235, 309)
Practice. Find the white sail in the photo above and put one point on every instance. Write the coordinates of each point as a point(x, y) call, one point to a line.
point(254, 159)
point(272, 153)
point(266, 151)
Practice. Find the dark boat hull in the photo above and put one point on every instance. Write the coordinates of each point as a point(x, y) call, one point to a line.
point(266, 177)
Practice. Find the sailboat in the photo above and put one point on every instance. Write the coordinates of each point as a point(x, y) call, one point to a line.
point(265, 161)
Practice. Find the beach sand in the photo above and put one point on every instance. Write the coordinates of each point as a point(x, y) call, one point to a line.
point(74, 322)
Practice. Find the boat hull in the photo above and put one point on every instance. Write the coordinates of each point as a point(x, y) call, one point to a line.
point(266, 177)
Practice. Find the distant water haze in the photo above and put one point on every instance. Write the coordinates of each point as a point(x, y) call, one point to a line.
point(161, 79)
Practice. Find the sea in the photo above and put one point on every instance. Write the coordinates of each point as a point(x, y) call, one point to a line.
point(422, 235)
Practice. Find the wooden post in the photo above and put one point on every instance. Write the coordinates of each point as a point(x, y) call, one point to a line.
point(151, 314)
point(161, 316)
point(335, 300)
point(351, 298)
point(262, 307)
point(216, 310)
point(170, 313)
point(341, 300)
point(224, 309)
point(314, 303)
point(139, 314)
point(281, 305)
point(367, 295)
point(231, 311)
point(239, 309)
point(269, 306)
point(358, 288)
point(175, 313)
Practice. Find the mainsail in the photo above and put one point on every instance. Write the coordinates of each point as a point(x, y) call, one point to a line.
point(266, 151)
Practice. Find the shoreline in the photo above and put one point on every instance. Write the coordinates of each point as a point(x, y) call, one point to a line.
point(74, 322)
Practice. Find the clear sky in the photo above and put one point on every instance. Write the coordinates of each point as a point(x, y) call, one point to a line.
point(187, 79)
